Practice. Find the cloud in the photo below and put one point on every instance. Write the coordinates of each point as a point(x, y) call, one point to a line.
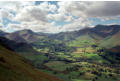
point(35, 12)
point(57, 17)
point(5, 14)
point(91, 9)
point(34, 26)
point(104, 9)
point(36, 18)
point(39, 27)
point(77, 24)
point(44, 17)
point(13, 5)
point(31, 13)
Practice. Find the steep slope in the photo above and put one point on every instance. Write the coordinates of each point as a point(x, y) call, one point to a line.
point(2, 33)
point(81, 40)
point(15, 37)
point(15, 68)
point(111, 41)
point(106, 30)
point(115, 49)
point(22, 48)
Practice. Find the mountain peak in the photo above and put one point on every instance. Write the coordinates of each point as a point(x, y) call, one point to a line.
point(26, 30)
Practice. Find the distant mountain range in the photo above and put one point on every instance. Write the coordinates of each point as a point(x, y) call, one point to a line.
point(104, 35)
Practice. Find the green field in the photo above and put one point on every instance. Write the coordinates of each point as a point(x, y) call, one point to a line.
point(57, 65)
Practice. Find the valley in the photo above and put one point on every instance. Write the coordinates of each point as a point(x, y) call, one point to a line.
point(14, 67)
point(90, 54)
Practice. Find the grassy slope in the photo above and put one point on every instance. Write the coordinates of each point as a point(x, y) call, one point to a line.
point(80, 41)
point(15, 68)
point(89, 37)
point(111, 41)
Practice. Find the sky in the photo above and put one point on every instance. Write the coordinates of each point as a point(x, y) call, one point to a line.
point(57, 16)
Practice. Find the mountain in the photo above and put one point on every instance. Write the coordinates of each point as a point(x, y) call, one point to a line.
point(97, 32)
point(104, 35)
point(68, 36)
point(27, 36)
point(15, 68)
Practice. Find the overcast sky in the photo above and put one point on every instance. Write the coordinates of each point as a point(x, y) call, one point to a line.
point(54, 17)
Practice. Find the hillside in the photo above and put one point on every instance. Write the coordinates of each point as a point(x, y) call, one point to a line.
point(111, 41)
point(27, 36)
point(106, 30)
point(101, 30)
point(23, 48)
point(15, 68)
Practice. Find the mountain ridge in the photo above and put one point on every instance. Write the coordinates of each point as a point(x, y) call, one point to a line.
point(98, 33)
